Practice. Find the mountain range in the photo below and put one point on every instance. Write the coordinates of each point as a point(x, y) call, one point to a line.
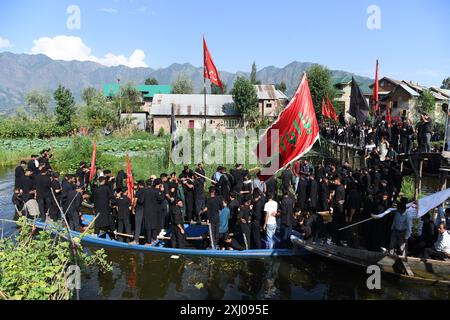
point(21, 73)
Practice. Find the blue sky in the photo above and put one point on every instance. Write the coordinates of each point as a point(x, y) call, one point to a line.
point(412, 44)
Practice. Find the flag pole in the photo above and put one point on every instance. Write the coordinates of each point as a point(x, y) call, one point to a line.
point(204, 83)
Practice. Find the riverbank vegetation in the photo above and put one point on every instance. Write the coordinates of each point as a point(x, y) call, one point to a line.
point(35, 266)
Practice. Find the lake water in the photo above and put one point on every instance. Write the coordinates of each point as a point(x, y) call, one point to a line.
point(154, 276)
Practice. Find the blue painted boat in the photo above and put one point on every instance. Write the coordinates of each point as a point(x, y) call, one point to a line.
point(160, 246)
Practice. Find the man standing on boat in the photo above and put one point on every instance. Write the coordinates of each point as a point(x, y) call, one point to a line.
point(177, 225)
point(102, 199)
point(213, 206)
point(286, 210)
point(401, 230)
point(153, 198)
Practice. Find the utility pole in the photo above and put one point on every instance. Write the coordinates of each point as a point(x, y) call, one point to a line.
point(120, 102)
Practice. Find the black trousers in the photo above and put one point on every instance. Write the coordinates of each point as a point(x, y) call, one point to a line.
point(124, 226)
point(53, 211)
point(177, 238)
point(44, 205)
point(199, 206)
point(74, 221)
point(152, 234)
point(245, 229)
point(338, 222)
point(138, 217)
point(215, 231)
point(256, 235)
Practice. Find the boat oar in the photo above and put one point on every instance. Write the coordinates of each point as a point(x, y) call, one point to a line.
point(355, 224)
point(202, 176)
point(89, 226)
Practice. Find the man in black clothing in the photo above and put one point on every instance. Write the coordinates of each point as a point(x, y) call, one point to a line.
point(244, 222)
point(324, 195)
point(73, 211)
point(44, 159)
point(233, 205)
point(238, 178)
point(153, 197)
point(188, 187)
point(139, 211)
point(271, 187)
point(213, 205)
point(338, 210)
point(286, 179)
point(26, 183)
point(200, 169)
point(122, 204)
point(177, 225)
point(102, 205)
point(286, 210)
point(54, 211)
point(19, 173)
point(313, 194)
point(43, 193)
point(33, 164)
point(256, 218)
point(302, 193)
point(199, 196)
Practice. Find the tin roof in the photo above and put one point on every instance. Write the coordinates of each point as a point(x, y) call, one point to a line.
point(193, 105)
point(268, 92)
point(408, 89)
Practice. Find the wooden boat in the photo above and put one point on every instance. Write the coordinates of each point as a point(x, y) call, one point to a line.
point(427, 271)
point(196, 234)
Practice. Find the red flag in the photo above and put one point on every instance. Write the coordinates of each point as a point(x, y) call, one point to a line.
point(297, 129)
point(130, 181)
point(210, 69)
point(325, 112)
point(375, 92)
point(388, 113)
point(331, 111)
point(94, 155)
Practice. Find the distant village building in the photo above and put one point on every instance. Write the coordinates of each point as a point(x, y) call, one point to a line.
point(404, 97)
point(139, 120)
point(270, 100)
point(344, 89)
point(190, 112)
point(147, 91)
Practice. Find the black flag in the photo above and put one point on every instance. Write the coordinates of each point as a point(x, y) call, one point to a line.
point(359, 107)
point(173, 129)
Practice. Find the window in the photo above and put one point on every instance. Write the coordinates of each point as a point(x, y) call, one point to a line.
point(231, 123)
point(269, 105)
point(179, 123)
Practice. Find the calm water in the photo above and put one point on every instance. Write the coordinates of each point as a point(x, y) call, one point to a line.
point(150, 276)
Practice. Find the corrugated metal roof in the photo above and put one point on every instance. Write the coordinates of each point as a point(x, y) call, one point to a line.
point(408, 89)
point(268, 92)
point(193, 105)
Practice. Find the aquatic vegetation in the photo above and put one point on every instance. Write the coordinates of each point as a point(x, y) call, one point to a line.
point(34, 267)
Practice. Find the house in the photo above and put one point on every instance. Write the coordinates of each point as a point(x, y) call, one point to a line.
point(147, 91)
point(344, 87)
point(189, 112)
point(270, 100)
point(139, 120)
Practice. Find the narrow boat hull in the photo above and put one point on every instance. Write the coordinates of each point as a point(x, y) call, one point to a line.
point(431, 272)
point(158, 248)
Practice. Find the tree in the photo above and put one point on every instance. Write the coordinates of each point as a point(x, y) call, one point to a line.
point(183, 85)
point(253, 73)
point(427, 103)
point(246, 99)
point(129, 99)
point(151, 82)
point(446, 84)
point(98, 114)
point(37, 102)
point(217, 90)
point(65, 107)
point(281, 86)
point(320, 85)
point(88, 94)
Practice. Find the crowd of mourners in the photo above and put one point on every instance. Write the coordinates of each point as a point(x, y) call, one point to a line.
point(400, 137)
point(242, 210)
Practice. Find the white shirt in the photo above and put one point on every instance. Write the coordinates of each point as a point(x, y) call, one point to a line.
point(271, 207)
point(443, 243)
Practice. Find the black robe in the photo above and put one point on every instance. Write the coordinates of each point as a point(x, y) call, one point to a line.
point(102, 197)
point(153, 199)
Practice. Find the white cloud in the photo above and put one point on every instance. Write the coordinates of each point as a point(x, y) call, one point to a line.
point(142, 9)
point(73, 48)
point(5, 43)
point(109, 10)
